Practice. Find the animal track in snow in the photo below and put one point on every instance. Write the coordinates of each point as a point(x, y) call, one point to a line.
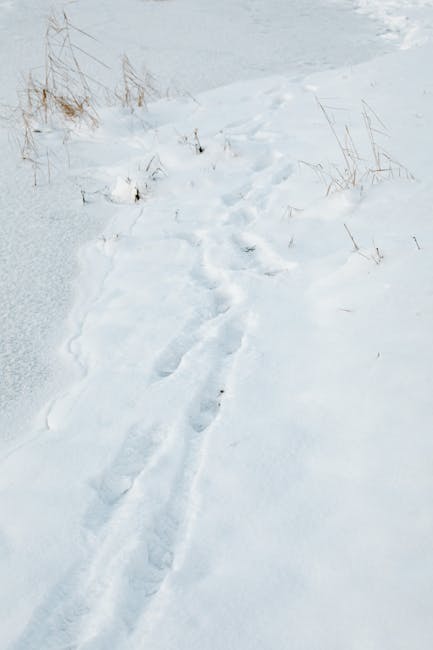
point(282, 174)
point(251, 252)
point(217, 302)
point(239, 217)
point(232, 198)
point(171, 357)
point(207, 405)
point(138, 446)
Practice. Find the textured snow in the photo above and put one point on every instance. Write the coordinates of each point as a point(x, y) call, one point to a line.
point(240, 453)
point(190, 46)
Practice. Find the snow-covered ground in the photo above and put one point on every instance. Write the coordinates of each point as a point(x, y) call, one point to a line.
point(242, 456)
point(190, 46)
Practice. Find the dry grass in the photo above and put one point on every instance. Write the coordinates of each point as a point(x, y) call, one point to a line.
point(66, 91)
point(64, 94)
point(135, 90)
point(354, 170)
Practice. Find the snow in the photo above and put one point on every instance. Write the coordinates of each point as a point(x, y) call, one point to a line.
point(40, 232)
point(407, 21)
point(242, 458)
point(190, 46)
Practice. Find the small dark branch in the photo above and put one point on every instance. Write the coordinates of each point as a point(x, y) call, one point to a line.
point(377, 256)
point(416, 242)
point(198, 147)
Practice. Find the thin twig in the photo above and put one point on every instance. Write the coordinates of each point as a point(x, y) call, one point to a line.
point(351, 237)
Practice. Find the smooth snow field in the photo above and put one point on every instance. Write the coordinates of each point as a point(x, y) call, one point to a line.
point(216, 370)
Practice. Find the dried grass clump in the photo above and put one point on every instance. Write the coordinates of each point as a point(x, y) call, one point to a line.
point(66, 91)
point(65, 95)
point(356, 171)
point(135, 90)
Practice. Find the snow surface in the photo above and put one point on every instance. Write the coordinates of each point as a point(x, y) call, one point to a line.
point(40, 232)
point(408, 21)
point(190, 46)
point(244, 456)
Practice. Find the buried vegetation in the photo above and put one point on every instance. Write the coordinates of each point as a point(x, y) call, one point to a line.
point(68, 94)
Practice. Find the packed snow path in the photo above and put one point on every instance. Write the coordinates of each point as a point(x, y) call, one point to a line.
point(189, 45)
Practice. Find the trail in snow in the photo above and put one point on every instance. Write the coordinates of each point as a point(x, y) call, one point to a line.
point(104, 594)
point(187, 45)
point(227, 451)
point(206, 454)
point(188, 379)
